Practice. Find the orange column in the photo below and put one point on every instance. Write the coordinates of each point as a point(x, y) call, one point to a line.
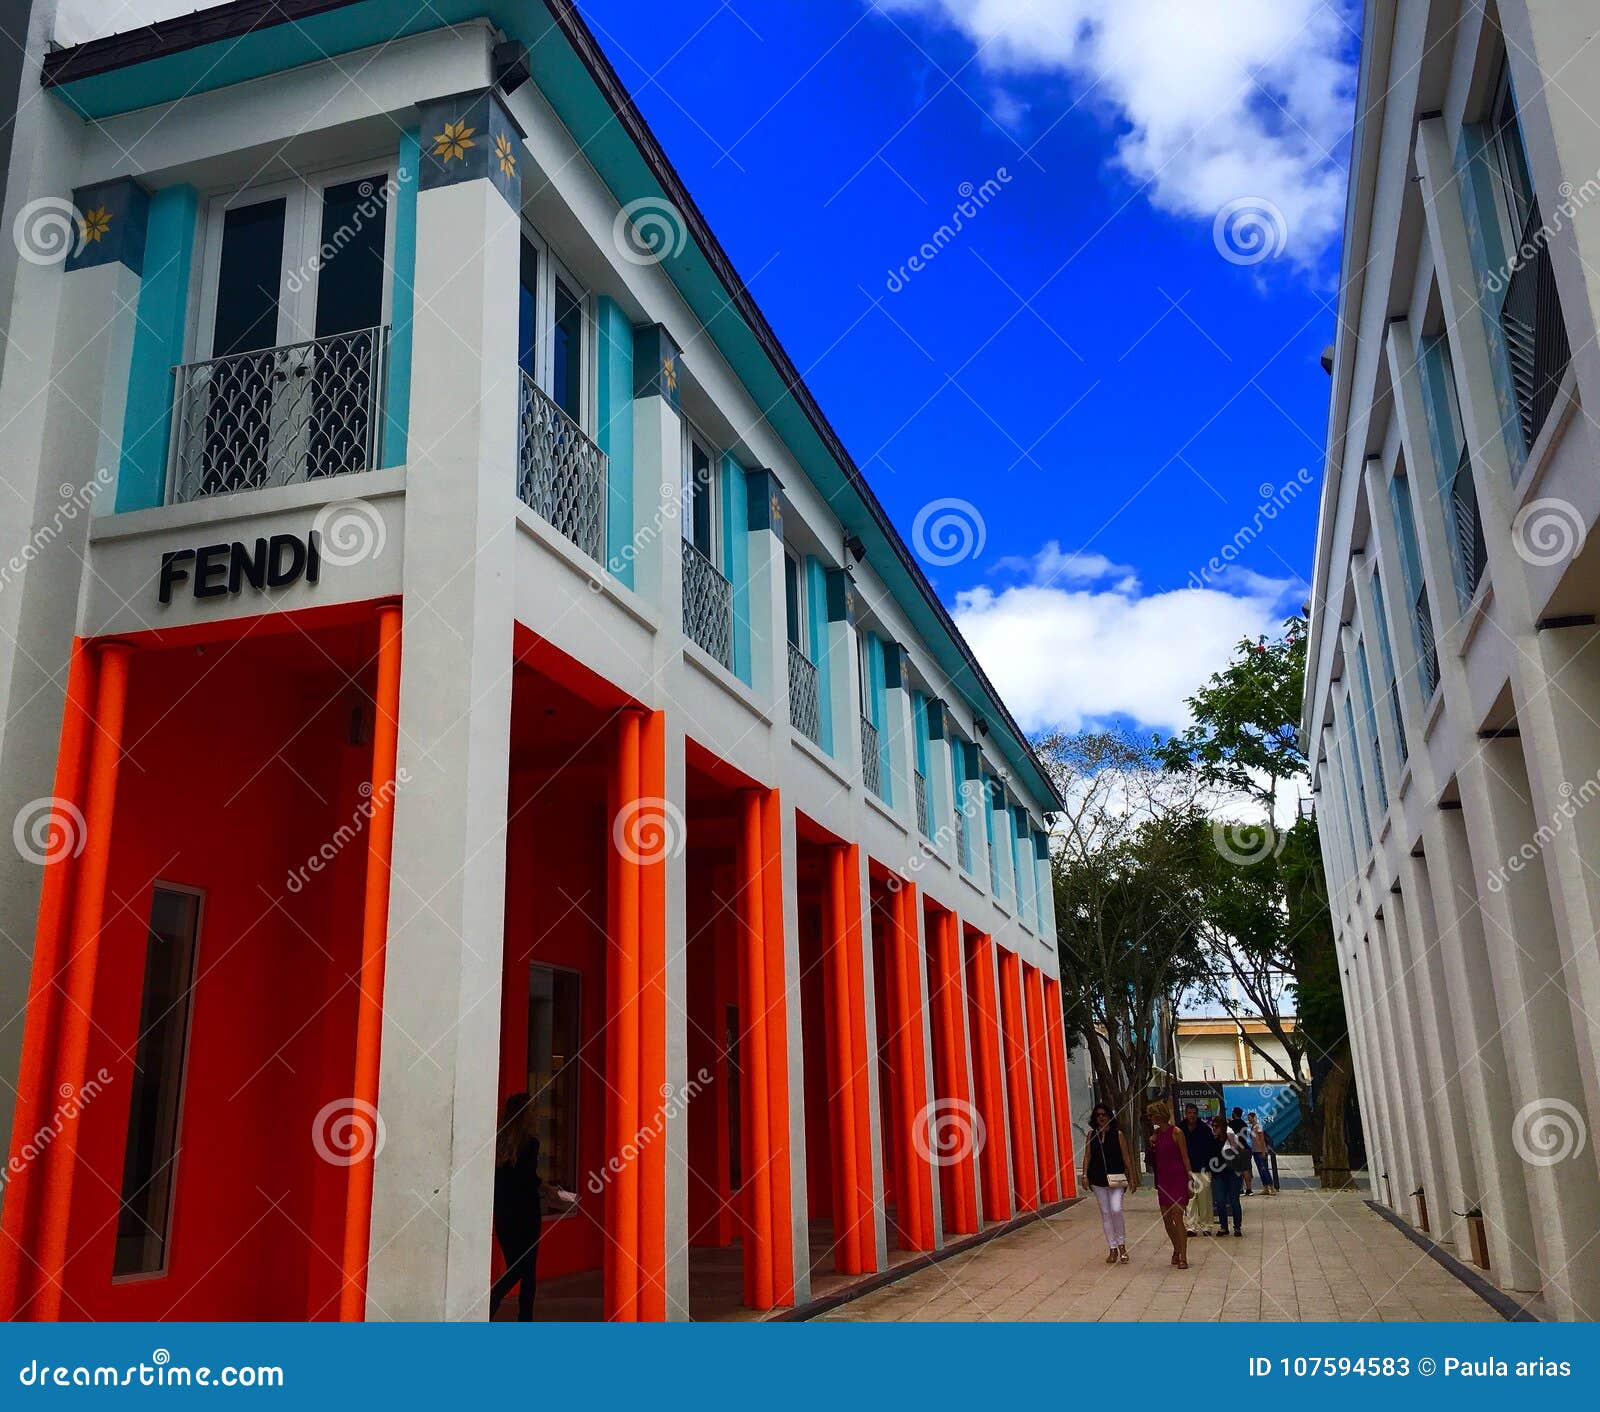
point(855, 954)
point(1055, 1031)
point(653, 1030)
point(996, 1191)
point(962, 1218)
point(60, 845)
point(918, 1164)
point(1024, 1176)
point(753, 1007)
point(841, 1107)
point(88, 912)
point(777, 1048)
point(1038, 1068)
point(374, 939)
point(621, 1264)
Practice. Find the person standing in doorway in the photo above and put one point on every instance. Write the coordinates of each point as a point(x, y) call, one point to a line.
point(1261, 1148)
point(1202, 1148)
point(518, 1198)
point(1110, 1172)
point(1169, 1158)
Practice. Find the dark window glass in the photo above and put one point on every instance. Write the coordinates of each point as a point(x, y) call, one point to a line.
point(528, 310)
point(553, 1027)
point(1515, 178)
point(350, 275)
point(700, 491)
point(791, 595)
point(248, 278)
point(151, 1153)
point(566, 368)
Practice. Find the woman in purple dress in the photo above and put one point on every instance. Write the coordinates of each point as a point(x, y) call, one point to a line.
point(1169, 1155)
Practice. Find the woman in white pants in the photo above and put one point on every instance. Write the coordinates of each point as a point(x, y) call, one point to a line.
point(1111, 1173)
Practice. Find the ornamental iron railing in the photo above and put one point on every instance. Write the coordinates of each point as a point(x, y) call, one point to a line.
point(561, 473)
point(963, 841)
point(278, 416)
point(871, 758)
point(805, 703)
point(1535, 331)
point(707, 605)
point(924, 818)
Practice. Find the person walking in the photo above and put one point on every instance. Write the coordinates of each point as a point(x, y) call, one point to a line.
point(1228, 1167)
point(1110, 1172)
point(1169, 1158)
point(518, 1202)
point(1202, 1149)
point(1260, 1148)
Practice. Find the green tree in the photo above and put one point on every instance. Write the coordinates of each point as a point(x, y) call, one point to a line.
point(1264, 907)
point(1131, 850)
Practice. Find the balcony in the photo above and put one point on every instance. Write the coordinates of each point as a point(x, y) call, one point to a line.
point(278, 416)
point(1534, 329)
point(871, 758)
point(924, 815)
point(963, 843)
point(805, 703)
point(1471, 555)
point(707, 605)
point(561, 474)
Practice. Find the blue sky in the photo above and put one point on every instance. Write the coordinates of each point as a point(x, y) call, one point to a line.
point(1112, 366)
point(1080, 363)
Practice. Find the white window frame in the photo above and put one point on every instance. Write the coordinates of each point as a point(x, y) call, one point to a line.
point(302, 238)
point(692, 436)
point(1504, 98)
point(791, 555)
point(552, 268)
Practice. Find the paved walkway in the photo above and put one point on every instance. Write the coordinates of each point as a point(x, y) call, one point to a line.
point(1305, 1255)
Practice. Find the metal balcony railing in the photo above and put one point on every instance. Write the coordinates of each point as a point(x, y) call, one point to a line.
point(1427, 650)
point(805, 704)
point(1471, 555)
point(924, 818)
point(278, 416)
point(1535, 331)
point(561, 474)
point(871, 758)
point(707, 605)
point(963, 842)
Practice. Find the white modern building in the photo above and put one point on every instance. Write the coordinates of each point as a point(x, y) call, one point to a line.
point(1453, 686)
point(445, 651)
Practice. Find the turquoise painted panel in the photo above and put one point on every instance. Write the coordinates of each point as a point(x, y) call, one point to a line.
point(402, 302)
point(614, 431)
point(736, 559)
point(817, 620)
point(919, 724)
point(878, 710)
point(1437, 374)
point(158, 344)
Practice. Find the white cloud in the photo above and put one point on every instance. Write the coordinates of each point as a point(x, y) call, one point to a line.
point(1071, 648)
point(1218, 99)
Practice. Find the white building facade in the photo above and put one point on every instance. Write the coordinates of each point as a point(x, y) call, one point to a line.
point(1453, 679)
point(446, 652)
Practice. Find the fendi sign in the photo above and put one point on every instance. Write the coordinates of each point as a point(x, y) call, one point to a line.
point(216, 570)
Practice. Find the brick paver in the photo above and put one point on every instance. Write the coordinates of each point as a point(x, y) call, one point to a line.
point(1304, 1256)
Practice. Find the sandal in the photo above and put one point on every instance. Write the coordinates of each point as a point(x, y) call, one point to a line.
point(1181, 1264)
point(1122, 1255)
